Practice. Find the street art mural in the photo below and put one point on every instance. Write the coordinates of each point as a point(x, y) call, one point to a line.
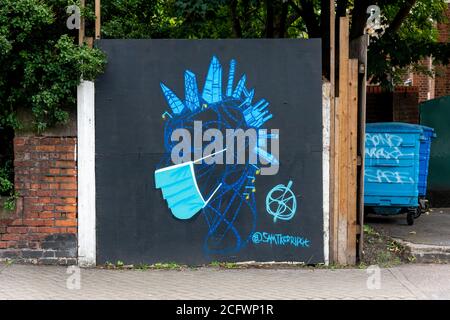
point(184, 187)
point(219, 156)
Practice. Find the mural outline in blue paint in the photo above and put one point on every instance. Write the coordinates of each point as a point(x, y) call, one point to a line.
point(285, 202)
point(232, 109)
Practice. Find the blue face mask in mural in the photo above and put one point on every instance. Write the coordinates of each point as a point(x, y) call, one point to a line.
point(229, 189)
point(180, 189)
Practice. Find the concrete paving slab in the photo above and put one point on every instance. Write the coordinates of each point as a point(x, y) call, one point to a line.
point(53, 282)
point(428, 229)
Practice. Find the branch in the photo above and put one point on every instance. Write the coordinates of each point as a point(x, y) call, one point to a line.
point(269, 19)
point(359, 18)
point(401, 15)
point(306, 11)
point(341, 9)
point(246, 12)
point(237, 30)
point(294, 17)
point(282, 26)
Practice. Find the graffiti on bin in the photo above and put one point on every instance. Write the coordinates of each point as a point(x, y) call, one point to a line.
point(384, 146)
point(388, 176)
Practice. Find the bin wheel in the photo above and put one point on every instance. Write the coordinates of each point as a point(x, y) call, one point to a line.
point(410, 216)
point(424, 206)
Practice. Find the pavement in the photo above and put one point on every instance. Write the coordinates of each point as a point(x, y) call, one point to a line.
point(428, 238)
point(411, 281)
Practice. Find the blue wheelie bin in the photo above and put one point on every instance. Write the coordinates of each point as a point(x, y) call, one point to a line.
point(424, 160)
point(392, 169)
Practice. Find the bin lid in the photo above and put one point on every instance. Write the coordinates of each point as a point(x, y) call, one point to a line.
point(381, 127)
point(429, 131)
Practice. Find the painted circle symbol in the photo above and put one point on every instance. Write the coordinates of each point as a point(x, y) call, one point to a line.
point(281, 202)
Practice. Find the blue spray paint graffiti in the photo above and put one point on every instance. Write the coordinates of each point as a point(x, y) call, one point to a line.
point(281, 202)
point(229, 188)
point(279, 239)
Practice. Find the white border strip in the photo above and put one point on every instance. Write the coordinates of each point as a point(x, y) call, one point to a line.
point(326, 115)
point(86, 173)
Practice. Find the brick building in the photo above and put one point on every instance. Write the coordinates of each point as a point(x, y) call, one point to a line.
point(403, 103)
point(439, 86)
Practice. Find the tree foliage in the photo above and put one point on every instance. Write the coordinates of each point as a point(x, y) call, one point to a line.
point(409, 37)
point(40, 62)
point(40, 67)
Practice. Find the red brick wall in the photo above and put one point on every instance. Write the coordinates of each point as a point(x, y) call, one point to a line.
point(405, 104)
point(378, 105)
point(431, 88)
point(44, 227)
point(442, 81)
point(425, 83)
point(402, 105)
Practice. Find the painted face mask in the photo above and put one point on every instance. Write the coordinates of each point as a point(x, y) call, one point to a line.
point(178, 184)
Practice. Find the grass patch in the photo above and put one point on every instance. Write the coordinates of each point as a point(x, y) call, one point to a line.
point(143, 266)
point(225, 265)
point(167, 266)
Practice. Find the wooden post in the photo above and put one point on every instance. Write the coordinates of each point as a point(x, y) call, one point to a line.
point(97, 19)
point(344, 141)
point(353, 172)
point(81, 31)
point(358, 50)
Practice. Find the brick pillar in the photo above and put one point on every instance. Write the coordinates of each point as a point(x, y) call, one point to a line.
point(378, 104)
point(425, 83)
point(405, 104)
point(44, 227)
point(402, 105)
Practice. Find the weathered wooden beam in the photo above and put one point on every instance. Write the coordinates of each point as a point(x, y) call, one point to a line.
point(353, 161)
point(358, 50)
point(97, 19)
point(81, 31)
point(344, 140)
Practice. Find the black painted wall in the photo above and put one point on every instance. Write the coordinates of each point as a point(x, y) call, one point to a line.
point(133, 222)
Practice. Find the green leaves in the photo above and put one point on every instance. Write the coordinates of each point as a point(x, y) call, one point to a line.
point(133, 19)
point(40, 68)
point(394, 54)
point(41, 65)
